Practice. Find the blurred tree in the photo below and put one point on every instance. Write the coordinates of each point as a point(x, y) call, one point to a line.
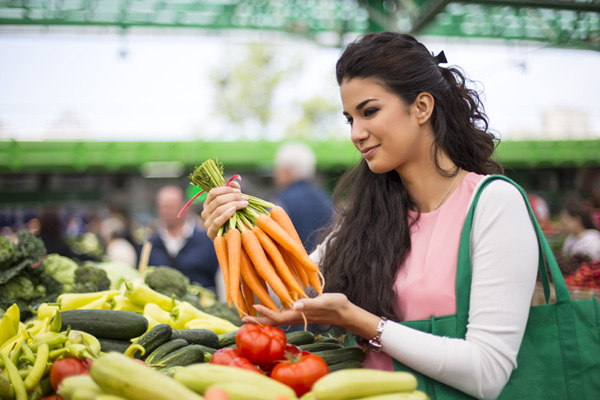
point(250, 95)
point(315, 120)
point(246, 90)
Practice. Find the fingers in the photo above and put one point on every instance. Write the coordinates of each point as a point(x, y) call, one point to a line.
point(221, 204)
point(268, 316)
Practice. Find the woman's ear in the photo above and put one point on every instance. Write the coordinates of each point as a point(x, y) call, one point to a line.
point(423, 107)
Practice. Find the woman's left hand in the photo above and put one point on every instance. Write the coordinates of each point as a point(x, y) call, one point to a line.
point(327, 308)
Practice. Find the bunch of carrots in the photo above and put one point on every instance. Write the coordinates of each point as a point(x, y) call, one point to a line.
point(257, 247)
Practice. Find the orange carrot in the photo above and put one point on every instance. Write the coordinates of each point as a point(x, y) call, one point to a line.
point(234, 245)
point(248, 298)
point(297, 268)
point(220, 244)
point(279, 235)
point(263, 266)
point(254, 282)
point(315, 280)
point(241, 305)
point(280, 216)
point(283, 270)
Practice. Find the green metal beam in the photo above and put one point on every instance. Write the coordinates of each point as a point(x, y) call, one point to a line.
point(92, 156)
point(558, 26)
point(560, 23)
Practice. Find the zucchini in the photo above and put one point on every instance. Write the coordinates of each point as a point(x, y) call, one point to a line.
point(117, 345)
point(197, 336)
point(314, 347)
point(117, 373)
point(190, 354)
point(150, 341)
point(227, 339)
point(199, 377)
point(110, 324)
point(345, 365)
point(358, 382)
point(300, 337)
point(344, 354)
point(164, 349)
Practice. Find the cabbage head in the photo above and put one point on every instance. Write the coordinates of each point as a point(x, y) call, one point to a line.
point(62, 269)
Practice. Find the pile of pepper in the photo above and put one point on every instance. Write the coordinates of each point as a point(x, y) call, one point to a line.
point(34, 352)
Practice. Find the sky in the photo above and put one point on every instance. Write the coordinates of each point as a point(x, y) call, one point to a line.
point(158, 87)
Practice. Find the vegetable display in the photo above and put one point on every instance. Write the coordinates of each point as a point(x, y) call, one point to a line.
point(257, 247)
point(22, 276)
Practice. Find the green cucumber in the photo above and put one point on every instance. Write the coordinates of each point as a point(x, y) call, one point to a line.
point(227, 339)
point(326, 339)
point(150, 341)
point(190, 354)
point(117, 345)
point(164, 349)
point(345, 365)
point(110, 324)
point(314, 347)
point(345, 354)
point(300, 337)
point(197, 336)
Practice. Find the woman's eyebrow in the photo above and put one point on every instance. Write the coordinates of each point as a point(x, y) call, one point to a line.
point(363, 103)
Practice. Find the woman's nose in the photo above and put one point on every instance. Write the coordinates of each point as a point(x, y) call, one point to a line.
point(358, 132)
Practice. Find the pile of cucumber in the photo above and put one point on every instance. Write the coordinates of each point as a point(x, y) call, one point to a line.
point(164, 348)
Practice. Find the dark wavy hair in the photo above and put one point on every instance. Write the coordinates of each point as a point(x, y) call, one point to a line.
point(371, 238)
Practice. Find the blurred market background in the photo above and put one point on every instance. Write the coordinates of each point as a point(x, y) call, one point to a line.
point(104, 102)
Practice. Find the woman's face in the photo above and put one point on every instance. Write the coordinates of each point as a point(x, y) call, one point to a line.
point(383, 128)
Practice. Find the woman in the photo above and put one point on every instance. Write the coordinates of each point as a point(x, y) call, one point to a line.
point(392, 255)
point(583, 239)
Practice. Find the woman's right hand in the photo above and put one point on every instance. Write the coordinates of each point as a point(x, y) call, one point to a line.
point(220, 205)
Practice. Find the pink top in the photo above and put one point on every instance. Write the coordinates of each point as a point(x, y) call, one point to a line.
point(425, 285)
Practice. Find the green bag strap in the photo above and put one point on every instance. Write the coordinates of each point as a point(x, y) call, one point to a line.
point(463, 269)
point(564, 312)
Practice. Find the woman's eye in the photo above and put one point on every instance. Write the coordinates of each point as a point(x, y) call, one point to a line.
point(349, 121)
point(370, 111)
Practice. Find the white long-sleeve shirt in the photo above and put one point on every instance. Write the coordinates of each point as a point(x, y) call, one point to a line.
point(504, 258)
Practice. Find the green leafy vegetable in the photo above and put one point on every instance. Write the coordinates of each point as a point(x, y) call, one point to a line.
point(62, 269)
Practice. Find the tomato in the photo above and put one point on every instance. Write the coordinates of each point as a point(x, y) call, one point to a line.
point(224, 356)
point(300, 372)
point(261, 344)
point(65, 367)
point(243, 362)
point(53, 397)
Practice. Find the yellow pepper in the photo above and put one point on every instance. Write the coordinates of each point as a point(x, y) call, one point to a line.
point(46, 310)
point(215, 326)
point(9, 325)
point(122, 302)
point(153, 311)
point(73, 301)
point(141, 294)
point(100, 303)
point(184, 312)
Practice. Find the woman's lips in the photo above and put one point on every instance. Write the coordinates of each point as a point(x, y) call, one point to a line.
point(367, 153)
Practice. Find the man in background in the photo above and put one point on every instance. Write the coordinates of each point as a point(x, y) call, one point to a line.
point(308, 205)
point(180, 243)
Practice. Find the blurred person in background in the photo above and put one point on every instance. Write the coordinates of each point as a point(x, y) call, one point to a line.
point(308, 205)
point(583, 238)
point(113, 231)
point(181, 243)
point(52, 233)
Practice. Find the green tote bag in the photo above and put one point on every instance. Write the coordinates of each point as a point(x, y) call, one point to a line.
point(559, 357)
